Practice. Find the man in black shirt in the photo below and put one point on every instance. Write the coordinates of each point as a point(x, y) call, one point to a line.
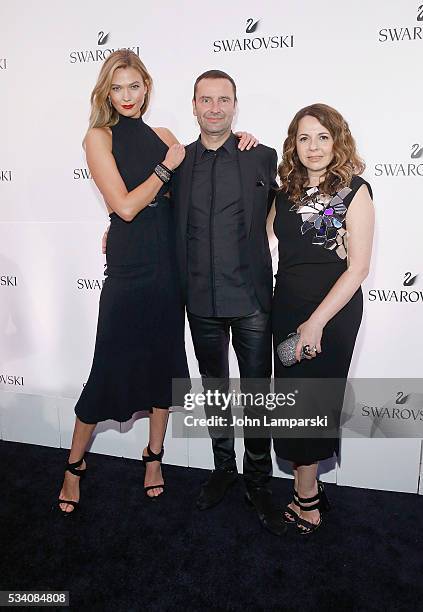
point(222, 198)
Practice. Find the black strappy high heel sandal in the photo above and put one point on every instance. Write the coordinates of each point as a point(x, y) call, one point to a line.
point(72, 468)
point(147, 459)
point(290, 517)
point(318, 502)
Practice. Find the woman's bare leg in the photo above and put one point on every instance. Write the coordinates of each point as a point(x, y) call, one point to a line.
point(81, 436)
point(293, 505)
point(153, 474)
point(307, 487)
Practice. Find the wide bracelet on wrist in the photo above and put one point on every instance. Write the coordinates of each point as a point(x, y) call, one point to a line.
point(163, 173)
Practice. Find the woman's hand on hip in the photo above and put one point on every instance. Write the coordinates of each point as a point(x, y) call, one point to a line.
point(310, 336)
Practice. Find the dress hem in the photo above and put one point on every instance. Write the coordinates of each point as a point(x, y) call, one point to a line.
point(124, 419)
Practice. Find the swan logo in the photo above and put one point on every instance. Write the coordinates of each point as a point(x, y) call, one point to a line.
point(401, 169)
point(86, 56)
point(401, 398)
point(263, 43)
point(409, 296)
point(251, 26)
point(416, 151)
point(409, 279)
point(403, 33)
point(102, 38)
point(3, 63)
point(5, 176)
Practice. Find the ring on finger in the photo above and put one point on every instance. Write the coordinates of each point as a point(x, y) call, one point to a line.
point(309, 350)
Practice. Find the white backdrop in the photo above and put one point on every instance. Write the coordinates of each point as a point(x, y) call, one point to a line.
point(363, 59)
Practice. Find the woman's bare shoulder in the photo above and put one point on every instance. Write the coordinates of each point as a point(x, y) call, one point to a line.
point(98, 136)
point(166, 135)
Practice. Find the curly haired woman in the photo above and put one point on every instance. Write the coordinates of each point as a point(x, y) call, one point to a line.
point(324, 223)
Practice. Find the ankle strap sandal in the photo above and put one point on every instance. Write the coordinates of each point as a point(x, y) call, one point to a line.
point(147, 459)
point(290, 517)
point(152, 456)
point(307, 504)
point(73, 469)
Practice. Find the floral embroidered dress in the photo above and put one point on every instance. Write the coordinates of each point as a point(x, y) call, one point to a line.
point(313, 245)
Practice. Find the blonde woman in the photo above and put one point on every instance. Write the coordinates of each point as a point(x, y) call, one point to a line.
point(140, 333)
point(324, 224)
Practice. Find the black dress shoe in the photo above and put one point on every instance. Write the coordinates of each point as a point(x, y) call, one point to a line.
point(214, 490)
point(270, 517)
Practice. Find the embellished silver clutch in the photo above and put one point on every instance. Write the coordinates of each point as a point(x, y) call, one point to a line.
point(286, 350)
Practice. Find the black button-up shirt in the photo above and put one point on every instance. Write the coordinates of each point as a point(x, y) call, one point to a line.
point(219, 282)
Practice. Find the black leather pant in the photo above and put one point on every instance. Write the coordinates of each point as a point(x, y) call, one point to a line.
point(251, 339)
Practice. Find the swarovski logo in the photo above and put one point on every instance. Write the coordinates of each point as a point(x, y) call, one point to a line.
point(81, 173)
point(8, 379)
point(5, 176)
point(3, 63)
point(406, 407)
point(90, 284)
point(97, 55)
point(403, 295)
point(102, 38)
point(404, 33)
point(8, 281)
point(400, 169)
point(386, 412)
point(256, 43)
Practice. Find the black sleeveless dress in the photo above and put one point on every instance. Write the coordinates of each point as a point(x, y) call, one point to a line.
point(140, 333)
point(312, 256)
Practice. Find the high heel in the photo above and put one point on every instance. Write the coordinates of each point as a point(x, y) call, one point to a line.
point(324, 502)
point(72, 468)
point(290, 517)
point(318, 502)
point(147, 459)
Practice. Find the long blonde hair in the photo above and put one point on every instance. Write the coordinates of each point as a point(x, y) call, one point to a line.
point(345, 164)
point(103, 114)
